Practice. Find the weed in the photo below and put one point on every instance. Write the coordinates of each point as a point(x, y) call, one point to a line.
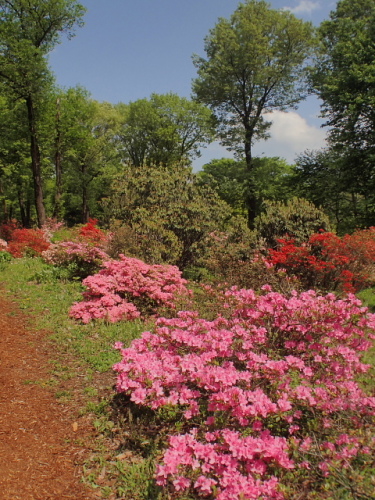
point(63, 395)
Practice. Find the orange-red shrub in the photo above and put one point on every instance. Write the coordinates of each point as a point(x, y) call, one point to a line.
point(27, 242)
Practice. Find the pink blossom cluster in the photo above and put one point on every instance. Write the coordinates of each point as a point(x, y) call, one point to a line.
point(124, 288)
point(225, 462)
point(3, 245)
point(248, 379)
point(337, 453)
point(67, 252)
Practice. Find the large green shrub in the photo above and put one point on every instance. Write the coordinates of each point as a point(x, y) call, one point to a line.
point(163, 215)
point(298, 219)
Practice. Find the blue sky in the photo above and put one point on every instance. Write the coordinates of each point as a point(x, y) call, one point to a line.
point(129, 49)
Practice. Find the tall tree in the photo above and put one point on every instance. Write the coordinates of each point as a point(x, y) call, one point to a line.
point(253, 65)
point(83, 151)
point(164, 130)
point(229, 178)
point(343, 78)
point(29, 29)
point(16, 193)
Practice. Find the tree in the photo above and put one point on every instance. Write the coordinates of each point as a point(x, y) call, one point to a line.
point(83, 151)
point(271, 176)
point(253, 66)
point(297, 219)
point(323, 178)
point(15, 177)
point(343, 78)
point(29, 29)
point(164, 130)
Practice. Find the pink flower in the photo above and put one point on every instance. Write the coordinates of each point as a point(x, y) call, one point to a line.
point(204, 484)
point(181, 483)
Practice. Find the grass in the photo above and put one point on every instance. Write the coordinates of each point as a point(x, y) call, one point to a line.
point(368, 298)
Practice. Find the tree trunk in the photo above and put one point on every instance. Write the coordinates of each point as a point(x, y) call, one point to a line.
point(21, 203)
point(36, 163)
point(28, 211)
point(251, 202)
point(85, 208)
point(57, 210)
point(5, 216)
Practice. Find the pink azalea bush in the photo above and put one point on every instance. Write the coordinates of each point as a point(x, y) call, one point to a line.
point(271, 387)
point(84, 252)
point(51, 227)
point(125, 288)
point(81, 258)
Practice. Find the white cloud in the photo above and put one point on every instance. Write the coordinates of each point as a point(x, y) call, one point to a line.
point(304, 7)
point(291, 135)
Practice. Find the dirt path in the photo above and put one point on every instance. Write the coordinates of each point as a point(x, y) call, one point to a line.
point(39, 457)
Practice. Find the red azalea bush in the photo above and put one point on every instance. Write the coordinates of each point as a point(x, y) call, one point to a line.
point(271, 388)
point(125, 288)
point(27, 242)
point(328, 262)
point(91, 234)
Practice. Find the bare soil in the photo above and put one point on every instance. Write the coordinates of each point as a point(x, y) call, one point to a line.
point(42, 439)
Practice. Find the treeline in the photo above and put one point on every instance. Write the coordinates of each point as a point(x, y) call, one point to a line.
point(67, 156)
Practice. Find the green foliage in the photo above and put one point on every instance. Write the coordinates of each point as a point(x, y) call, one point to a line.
point(230, 179)
point(343, 76)
point(28, 32)
point(84, 152)
point(16, 192)
point(5, 257)
point(163, 130)
point(322, 178)
point(165, 214)
point(367, 296)
point(133, 473)
point(297, 218)
point(234, 257)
